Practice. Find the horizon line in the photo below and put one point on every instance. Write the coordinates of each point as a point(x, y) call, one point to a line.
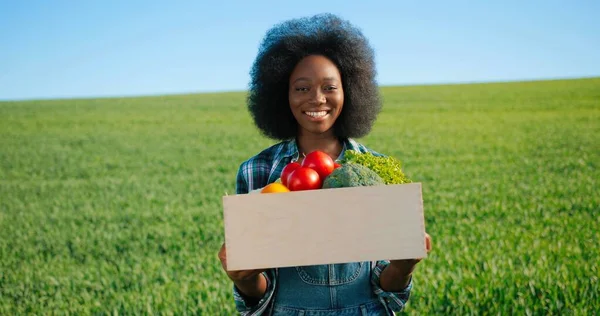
point(225, 91)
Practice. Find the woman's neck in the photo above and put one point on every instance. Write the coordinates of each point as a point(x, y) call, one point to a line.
point(328, 144)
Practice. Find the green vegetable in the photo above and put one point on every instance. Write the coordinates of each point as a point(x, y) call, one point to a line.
point(388, 168)
point(351, 175)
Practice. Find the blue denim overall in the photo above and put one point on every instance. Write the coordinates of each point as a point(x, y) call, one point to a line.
point(336, 289)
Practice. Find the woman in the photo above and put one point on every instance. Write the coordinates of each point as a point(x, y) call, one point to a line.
point(313, 88)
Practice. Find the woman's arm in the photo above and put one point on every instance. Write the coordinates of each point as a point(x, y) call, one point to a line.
point(251, 283)
point(397, 275)
point(253, 287)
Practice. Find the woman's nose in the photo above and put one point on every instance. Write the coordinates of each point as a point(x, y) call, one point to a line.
point(318, 97)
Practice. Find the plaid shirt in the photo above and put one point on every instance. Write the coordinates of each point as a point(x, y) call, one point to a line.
point(266, 168)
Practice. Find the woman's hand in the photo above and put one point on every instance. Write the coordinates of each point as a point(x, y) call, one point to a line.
point(408, 265)
point(396, 276)
point(250, 282)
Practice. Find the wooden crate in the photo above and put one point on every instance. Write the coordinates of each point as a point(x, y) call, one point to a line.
point(324, 226)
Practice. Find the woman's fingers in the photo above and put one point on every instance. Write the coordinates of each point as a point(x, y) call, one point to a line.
point(242, 274)
point(223, 256)
point(427, 242)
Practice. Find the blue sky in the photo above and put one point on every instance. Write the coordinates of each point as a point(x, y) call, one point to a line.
point(64, 49)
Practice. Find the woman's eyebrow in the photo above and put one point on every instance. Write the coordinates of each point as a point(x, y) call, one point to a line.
point(306, 79)
point(301, 79)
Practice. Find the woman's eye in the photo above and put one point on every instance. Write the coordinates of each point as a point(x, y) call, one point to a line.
point(301, 89)
point(330, 88)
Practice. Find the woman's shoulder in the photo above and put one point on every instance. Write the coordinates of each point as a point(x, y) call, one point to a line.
point(269, 155)
point(257, 170)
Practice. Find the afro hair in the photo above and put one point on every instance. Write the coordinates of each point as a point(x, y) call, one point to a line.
point(284, 46)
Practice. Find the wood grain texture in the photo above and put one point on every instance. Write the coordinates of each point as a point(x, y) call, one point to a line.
point(324, 226)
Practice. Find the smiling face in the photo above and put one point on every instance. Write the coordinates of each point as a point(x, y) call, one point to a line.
point(316, 96)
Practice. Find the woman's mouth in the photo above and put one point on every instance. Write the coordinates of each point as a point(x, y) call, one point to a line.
point(316, 115)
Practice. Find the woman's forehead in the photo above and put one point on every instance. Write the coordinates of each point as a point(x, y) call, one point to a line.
point(315, 66)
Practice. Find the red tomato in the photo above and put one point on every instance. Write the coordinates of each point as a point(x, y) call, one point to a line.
point(304, 179)
point(320, 162)
point(336, 165)
point(287, 170)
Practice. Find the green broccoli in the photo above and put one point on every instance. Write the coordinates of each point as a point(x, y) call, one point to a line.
point(388, 168)
point(351, 175)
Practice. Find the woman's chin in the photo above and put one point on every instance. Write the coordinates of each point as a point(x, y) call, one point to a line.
point(317, 131)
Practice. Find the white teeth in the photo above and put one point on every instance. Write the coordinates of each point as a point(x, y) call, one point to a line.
point(317, 114)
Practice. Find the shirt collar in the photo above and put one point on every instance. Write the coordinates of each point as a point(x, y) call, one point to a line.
point(291, 148)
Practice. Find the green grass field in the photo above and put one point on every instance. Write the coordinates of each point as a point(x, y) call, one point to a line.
point(114, 205)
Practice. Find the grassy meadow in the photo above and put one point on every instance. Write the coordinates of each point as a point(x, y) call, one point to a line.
point(114, 205)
